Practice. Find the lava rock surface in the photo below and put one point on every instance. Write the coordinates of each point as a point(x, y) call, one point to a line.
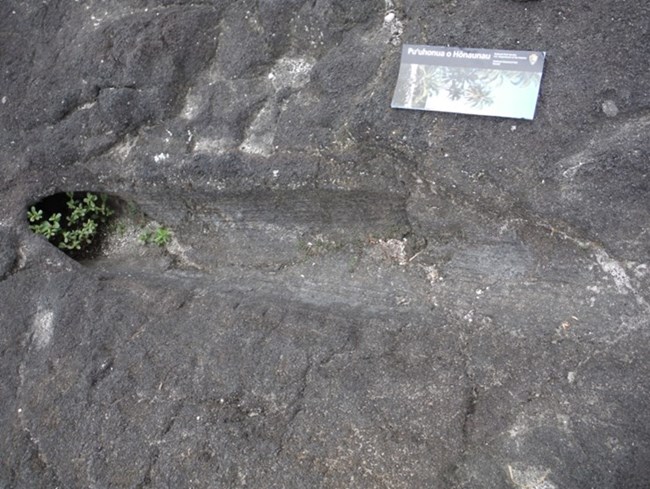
point(354, 296)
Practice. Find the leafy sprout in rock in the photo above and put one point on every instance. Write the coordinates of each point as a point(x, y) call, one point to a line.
point(75, 227)
point(161, 236)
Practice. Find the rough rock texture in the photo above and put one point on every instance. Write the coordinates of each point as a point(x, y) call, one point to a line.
point(355, 296)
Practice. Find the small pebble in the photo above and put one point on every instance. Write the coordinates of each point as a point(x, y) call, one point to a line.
point(390, 16)
point(609, 108)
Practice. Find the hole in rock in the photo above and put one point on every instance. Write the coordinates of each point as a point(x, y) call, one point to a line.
point(76, 222)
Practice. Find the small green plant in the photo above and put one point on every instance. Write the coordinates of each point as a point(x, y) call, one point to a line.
point(76, 227)
point(161, 236)
point(145, 237)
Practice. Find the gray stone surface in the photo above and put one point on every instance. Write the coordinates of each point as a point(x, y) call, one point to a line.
point(354, 296)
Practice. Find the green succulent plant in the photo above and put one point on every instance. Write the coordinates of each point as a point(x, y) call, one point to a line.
point(75, 228)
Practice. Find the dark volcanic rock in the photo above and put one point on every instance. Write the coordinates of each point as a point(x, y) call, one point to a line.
point(353, 296)
point(8, 253)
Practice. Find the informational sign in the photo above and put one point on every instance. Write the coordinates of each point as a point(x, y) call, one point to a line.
point(491, 82)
